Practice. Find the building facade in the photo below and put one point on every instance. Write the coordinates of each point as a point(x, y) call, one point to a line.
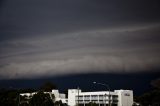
point(101, 98)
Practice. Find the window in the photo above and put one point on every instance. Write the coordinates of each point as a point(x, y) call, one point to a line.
point(87, 97)
point(94, 97)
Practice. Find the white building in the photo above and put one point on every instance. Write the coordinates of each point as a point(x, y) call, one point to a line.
point(117, 98)
point(101, 98)
point(57, 96)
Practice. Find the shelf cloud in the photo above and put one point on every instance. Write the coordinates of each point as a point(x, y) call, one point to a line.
point(119, 50)
point(50, 38)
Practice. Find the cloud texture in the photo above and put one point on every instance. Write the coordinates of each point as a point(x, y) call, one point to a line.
point(118, 50)
point(43, 38)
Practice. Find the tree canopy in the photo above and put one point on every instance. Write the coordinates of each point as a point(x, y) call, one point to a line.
point(41, 99)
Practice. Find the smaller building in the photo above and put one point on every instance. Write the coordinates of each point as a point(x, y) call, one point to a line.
point(57, 96)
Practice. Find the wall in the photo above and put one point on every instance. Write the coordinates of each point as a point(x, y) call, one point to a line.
point(125, 97)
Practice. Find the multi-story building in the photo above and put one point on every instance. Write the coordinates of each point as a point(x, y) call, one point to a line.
point(101, 98)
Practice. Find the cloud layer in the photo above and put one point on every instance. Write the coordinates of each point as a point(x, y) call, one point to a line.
point(114, 50)
point(43, 38)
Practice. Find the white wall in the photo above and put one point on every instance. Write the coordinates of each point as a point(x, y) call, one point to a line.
point(56, 94)
point(125, 97)
point(72, 96)
point(59, 96)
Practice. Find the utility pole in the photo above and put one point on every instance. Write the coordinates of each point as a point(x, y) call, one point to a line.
point(78, 97)
point(105, 99)
point(18, 99)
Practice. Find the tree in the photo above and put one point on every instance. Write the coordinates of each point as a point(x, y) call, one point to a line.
point(41, 99)
point(8, 97)
point(156, 83)
point(92, 104)
point(58, 103)
point(150, 98)
point(23, 100)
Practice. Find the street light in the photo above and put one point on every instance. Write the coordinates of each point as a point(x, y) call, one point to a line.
point(106, 85)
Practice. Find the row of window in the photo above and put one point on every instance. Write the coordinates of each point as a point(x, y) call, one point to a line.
point(96, 101)
point(95, 97)
point(93, 104)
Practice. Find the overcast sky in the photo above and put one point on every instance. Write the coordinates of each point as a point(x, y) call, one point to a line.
point(40, 38)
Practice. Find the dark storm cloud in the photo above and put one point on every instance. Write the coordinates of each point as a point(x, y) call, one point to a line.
point(55, 37)
point(129, 50)
point(36, 17)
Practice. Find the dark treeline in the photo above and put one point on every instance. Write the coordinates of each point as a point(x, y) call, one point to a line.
point(11, 97)
point(152, 97)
